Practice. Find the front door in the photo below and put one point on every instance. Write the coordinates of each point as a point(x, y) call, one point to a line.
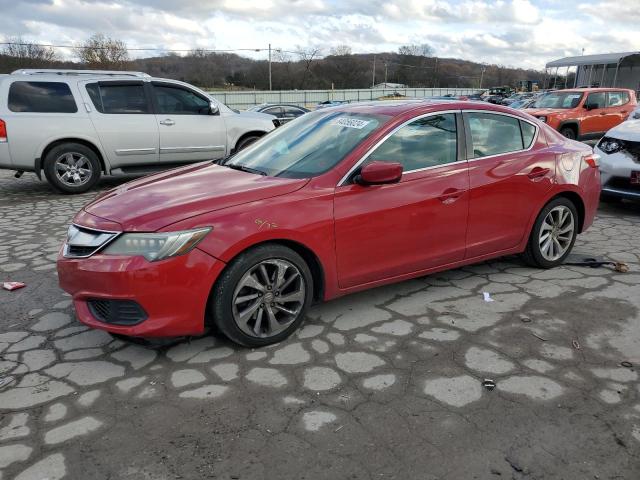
point(122, 116)
point(188, 130)
point(595, 121)
point(510, 172)
point(389, 230)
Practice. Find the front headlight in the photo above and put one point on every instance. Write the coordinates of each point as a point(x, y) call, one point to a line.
point(157, 246)
point(610, 145)
point(543, 119)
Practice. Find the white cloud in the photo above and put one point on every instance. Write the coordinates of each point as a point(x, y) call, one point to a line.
point(524, 33)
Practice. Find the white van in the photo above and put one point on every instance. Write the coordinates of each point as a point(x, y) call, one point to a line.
point(78, 124)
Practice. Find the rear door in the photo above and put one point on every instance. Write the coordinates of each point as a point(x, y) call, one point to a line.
point(384, 231)
point(122, 116)
point(618, 105)
point(510, 172)
point(189, 132)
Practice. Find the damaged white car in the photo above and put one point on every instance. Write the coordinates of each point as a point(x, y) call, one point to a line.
point(619, 152)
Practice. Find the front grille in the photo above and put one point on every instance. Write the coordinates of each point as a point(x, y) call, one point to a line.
point(117, 312)
point(83, 242)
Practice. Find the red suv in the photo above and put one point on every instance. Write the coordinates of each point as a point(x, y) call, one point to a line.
point(339, 200)
point(584, 113)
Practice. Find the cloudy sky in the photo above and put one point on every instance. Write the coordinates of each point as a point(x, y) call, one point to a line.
point(525, 33)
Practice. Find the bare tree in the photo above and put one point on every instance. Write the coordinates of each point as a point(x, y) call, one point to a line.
point(30, 52)
point(415, 50)
point(340, 50)
point(103, 52)
point(306, 58)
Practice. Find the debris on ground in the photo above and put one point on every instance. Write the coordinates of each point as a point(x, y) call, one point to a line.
point(626, 364)
point(592, 262)
point(525, 319)
point(488, 384)
point(13, 285)
point(575, 344)
point(538, 337)
point(487, 297)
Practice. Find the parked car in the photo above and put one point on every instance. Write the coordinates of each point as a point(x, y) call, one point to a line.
point(584, 113)
point(635, 115)
point(330, 103)
point(619, 150)
point(283, 112)
point(76, 125)
point(343, 199)
point(516, 97)
point(523, 104)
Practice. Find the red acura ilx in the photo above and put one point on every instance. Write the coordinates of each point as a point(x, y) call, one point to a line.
point(339, 200)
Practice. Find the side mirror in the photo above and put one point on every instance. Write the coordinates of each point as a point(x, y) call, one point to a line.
point(380, 173)
point(590, 106)
point(213, 109)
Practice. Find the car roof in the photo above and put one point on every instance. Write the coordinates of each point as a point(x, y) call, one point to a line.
point(395, 108)
point(591, 89)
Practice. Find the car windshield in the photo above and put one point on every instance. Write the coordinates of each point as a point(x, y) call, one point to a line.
point(559, 100)
point(308, 146)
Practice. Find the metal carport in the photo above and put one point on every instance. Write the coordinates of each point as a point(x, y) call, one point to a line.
point(603, 70)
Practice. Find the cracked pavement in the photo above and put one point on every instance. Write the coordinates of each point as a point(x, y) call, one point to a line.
point(384, 384)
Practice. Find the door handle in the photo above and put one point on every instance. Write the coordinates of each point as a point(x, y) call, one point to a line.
point(168, 122)
point(603, 113)
point(450, 195)
point(538, 173)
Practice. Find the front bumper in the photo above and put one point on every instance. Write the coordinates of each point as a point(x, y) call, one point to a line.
point(173, 293)
point(615, 172)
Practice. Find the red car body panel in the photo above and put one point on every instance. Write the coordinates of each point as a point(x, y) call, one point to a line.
point(359, 236)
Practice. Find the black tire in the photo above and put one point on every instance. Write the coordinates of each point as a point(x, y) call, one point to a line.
point(533, 253)
point(568, 132)
point(224, 290)
point(75, 150)
point(246, 141)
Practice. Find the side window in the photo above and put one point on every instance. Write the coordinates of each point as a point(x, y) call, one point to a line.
point(427, 142)
point(291, 112)
point(118, 98)
point(493, 134)
point(41, 97)
point(277, 111)
point(528, 132)
point(617, 99)
point(597, 100)
point(179, 101)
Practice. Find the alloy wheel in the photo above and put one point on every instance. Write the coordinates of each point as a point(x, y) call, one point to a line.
point(268, 298)
point(73, 169)
point(556, 233)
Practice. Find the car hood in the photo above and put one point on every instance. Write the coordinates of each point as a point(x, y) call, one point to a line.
point(154, 202)
point(629, 130)
point(256, 115)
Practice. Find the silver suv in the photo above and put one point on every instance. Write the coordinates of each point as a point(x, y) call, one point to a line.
point(78, 124)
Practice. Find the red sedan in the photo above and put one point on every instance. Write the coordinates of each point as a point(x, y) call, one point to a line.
point(339, 200)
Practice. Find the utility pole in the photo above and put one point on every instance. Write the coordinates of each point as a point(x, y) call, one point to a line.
point(385, 72)
point(481, 77)
point(373, 81)
point(270, 84)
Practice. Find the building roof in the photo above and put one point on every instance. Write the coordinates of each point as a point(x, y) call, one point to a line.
point(600, 59)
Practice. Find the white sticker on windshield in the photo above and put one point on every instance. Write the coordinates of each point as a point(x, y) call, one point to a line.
point(350, 122)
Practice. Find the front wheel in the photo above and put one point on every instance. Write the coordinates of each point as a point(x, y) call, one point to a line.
point(553, 235)
point(570, 133)
point(262, 296)
point(246, 141)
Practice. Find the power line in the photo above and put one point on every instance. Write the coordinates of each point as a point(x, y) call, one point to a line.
point(150, 49)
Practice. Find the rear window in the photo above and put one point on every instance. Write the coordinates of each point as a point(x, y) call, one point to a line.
point(617, 99)
point(41, 97)
point(118, 98)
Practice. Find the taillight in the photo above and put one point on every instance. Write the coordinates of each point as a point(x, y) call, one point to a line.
point(592, 160)
point(3, 131)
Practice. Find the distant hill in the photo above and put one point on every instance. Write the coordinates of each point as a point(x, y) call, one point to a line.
point(228, 70)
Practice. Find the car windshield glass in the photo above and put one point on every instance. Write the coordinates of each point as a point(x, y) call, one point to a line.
point(559, 100)
point(308, 146)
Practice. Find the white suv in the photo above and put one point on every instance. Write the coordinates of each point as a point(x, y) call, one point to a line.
point(78, 124)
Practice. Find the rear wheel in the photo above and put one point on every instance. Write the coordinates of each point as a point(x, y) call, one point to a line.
point(553, 235)
point(262, 296)
point(568, 132)
point(72, 168)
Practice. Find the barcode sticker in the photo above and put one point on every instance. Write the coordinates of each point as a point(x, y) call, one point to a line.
point(350, 122)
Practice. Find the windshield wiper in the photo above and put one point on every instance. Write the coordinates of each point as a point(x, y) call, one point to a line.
point(242, 168)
